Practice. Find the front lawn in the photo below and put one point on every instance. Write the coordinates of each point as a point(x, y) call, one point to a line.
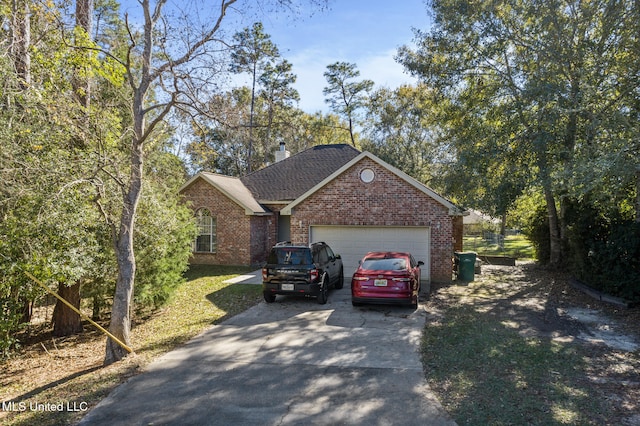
point(68, 372)
point(517, 246)
point(499, 351)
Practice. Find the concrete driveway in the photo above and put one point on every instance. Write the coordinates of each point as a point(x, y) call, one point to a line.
point(291, 362)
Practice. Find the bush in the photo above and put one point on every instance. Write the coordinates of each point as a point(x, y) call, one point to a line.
point(163, 248)
point(605, 251)
point(537, 231)
point(165, 231)
point(10, 322)
point(585, 228)
point(614, 262)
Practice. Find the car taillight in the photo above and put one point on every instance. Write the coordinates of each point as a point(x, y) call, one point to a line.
point(356, 278)
point(313, 274)
point(403, 279)
point(265, 273)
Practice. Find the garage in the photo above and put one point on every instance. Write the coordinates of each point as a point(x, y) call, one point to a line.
point(353, 242)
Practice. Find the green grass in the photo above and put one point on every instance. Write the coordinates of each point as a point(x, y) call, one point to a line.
point(489, 355)
point(197, 304)
point(487, 374)
point(200, 302)
point(517, 246)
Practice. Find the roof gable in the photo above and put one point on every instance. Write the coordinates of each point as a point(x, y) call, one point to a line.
point(453, 209)
point(290, 178)
point(233, 188)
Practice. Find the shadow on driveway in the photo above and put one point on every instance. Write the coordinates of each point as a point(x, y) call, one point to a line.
point(290, 362)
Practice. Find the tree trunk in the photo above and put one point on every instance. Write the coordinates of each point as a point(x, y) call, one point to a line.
point(65, 320)
point(81, 85)
point(98, 304)
point(120, 325)
point(20, 41)
point(555, 248)
point(353, 139)
point(84, 15)
point(251, 113)
point(27, 310)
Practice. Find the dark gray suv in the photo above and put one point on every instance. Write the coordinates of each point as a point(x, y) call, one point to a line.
point(301, 270)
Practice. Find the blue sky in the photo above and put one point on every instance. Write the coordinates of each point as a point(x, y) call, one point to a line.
point(365, 32)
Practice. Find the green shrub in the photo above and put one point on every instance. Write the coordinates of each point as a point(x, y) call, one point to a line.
point(165, 230)
point(585, 227)
point(604, 250)
point(614, 262)
point(10, 322)
point(164, 247)
point(537, 231)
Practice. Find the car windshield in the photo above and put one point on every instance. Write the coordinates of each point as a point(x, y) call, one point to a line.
point(381, 264)
point(291, 256)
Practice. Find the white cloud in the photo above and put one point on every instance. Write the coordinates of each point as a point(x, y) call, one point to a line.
point(384, 70)
point(311, 64)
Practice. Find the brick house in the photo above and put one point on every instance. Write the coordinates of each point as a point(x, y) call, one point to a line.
point(352, 200)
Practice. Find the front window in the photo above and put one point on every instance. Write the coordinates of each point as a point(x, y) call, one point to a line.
point(206, 240)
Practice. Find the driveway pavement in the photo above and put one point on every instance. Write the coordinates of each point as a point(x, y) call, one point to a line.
point(291, 362)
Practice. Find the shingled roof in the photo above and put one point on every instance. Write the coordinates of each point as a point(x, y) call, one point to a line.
point(233, 188)
point(288, 179)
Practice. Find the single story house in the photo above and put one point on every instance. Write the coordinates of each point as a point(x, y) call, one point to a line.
point(352, 200)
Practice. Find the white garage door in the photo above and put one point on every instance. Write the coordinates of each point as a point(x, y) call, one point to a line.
point(353, 242)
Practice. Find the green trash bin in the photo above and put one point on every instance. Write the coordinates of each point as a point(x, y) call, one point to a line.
point(466, 265)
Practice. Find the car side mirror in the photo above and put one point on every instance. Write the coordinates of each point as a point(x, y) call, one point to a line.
point(420, 263)
point(337, 257)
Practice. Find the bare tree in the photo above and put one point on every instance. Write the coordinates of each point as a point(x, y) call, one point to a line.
point(146, 117)
point(179, 73)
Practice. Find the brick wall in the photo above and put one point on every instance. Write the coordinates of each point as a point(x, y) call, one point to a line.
point(386, 201)
point(234, 227)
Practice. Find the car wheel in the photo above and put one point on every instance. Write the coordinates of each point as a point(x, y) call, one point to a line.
point(323, 296)
point(340, 282)
point(269, 297)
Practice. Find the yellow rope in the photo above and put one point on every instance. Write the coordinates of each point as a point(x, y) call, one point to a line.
point(98, 326)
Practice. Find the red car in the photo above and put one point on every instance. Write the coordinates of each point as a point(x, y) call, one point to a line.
point(387, 278)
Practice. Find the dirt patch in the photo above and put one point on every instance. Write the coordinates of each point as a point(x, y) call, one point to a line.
point(540, 303)
point(601, 329)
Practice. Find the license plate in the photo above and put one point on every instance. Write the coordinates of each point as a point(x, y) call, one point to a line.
point(287, 287)
point(380, 283)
